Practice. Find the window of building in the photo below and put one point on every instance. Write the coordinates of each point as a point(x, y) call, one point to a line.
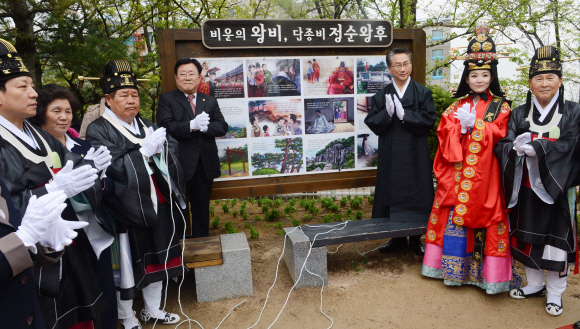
point(437, 74)
point(437, 35)
point(437, 54)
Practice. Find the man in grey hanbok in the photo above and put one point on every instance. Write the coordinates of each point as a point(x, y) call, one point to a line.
point(320, 125)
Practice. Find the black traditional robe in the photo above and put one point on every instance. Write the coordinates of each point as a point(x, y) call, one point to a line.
point(147, 234)
point(543, 198)
point(404, 173)
point(68, 290)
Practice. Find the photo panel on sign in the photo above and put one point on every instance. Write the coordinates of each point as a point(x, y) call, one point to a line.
point(234, 112)
point(329, 115)
point(328, 76)
point(222, 78)
point(234, 159)
point(363, 107)
point(272, 77)
point(274, 156)
point(367, 151)
point(276, 117)
point(372, 74)
point(326, 153)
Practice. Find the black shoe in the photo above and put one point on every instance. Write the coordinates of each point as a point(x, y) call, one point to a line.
point(393, 245)
point(577, 325)
point(418, 249)
point(519, 293)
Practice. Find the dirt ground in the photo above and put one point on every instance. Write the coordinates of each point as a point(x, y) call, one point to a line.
point(376, 291)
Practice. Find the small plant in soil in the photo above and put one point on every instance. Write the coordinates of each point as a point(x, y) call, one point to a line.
point(343, 202)
point(265, 209)
point(307, 217)
point(254, 234)
point(289, 209)
point(338, 217)
point(295, 222)
point(305, 204)
point(230, 228)
point(235, 213)
point(242, 211)
point(211, 211)
point(225, 208)
point(267, 202)
point(234, 202)
point(351, 218)
point(252, 199)
point(215, 223)
point(245, 216)
point(292, 202)
point(371, 199)
point(257, 218)
point(355, 203)
point(217, 202)
point(348, 197)
point(359, 215)
point(278, 202)
point(278, 225)
point(327, 218)
point(349, 211)
point(272, 215)
point(280, 232)
point(334, 208)
point(247, 225)
point(260, 202)
point(314, 210)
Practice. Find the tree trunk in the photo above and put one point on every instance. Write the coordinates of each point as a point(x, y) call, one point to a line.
point(285, 156)
point(25, 41)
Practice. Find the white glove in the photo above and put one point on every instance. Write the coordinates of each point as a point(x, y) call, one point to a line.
point(73, 181)
point(61, 233)
point(154, 141)
point(200, 121)
point(40, 214)
point(466, 117)
point(529, 150)
point(399, 108)
point(389, 104)
point(101, 157)
point(521, 141)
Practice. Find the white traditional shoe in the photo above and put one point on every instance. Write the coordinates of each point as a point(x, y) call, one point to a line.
point(132, 323)
point(169, 318)
point(554, 309)
point(519, 293)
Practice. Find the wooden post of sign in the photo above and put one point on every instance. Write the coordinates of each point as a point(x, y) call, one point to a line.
point(179, 43)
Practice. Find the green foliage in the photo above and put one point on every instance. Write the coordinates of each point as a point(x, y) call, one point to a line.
point(234, 201)
point(307, 217)
point(349, 163)
point(326, 202)
point(247, 225)
point(371, 199)
point(260, 202)
point(215, 223)
point(217, 202)
point(278, 202)
point(252, 199)
point(225, 208)
point(211, 211)
point(265, 171)
point(349, 211)
point(272, 215)
point(292, 202)
point(235, 213)
point(313, 166)
point(268, 202)
point(314, 210)
point(338, 217)
point(348, 197)
point(230, 228)
point(257, 218)
point(289, 209)
point(356, 202)
point(280, 232)
point(343, 202)
point(265, 209)
point(359, 215)
point(245, 216)
point(242, 211)
point(334, 208)
point(327, 218)
point(254, 234)
point(295, 222)
point(374, 162)
point(278, 225)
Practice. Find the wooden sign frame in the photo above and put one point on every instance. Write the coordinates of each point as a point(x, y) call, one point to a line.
point(179, 43)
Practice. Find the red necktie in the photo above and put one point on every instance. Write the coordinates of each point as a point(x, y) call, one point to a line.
point(191, 102)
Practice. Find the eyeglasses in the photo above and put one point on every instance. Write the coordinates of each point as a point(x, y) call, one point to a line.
point(184, 75)
point(399, 65)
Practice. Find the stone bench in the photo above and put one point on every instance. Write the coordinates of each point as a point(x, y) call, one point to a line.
point(222, 266)
point(298, 243)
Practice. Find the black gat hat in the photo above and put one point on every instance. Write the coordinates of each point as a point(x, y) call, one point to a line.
point(11, 65)
point(117, 74)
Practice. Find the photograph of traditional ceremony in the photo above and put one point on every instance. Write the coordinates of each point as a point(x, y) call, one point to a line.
point(289, 164)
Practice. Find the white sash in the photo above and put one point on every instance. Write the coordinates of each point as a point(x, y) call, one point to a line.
point(17, 143)
point(545, 128)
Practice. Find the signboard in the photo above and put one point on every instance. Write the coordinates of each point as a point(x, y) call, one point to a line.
point(296, 33)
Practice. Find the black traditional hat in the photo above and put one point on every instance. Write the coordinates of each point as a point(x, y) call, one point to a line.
point(546, 60)
point(481, 55)
point(117, 74)
point(11, 65)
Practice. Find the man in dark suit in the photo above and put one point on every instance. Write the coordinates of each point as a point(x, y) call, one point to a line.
point(195, 120)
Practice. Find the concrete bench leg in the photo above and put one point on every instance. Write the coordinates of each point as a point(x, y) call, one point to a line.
point(231, 279)
point(297, 246)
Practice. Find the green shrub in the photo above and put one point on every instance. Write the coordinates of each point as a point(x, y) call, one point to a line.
point(252, 199)
point(242, 211)
point(272, 215)
point(217, 202)
point(215, 223)
point(343, 202)
point(211, 211)
point(278, 202)
point(351, 218)
point(230, 228)
point(289, 209)
point(254, 234)
point(265, 209)
point(235, 213)
point(245, 216)
point(348, 197)
point(292, 202)
point(355, 203)
point(268, 202)
point(307, 217)
point(234, 202)
point(295, 222)
point(278, 225)
point(305, 204)
point(280, 232)
point(257, 218)
point(247, 225)
point(359, 215)
point(371, 199)
point(314, 210)
point(349, 211)
point(334, 208)
point(327, 218)
point(225, 208)
point(338, 217)
point(259, 202)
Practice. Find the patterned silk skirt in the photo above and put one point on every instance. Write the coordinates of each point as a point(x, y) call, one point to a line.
point(456, 267)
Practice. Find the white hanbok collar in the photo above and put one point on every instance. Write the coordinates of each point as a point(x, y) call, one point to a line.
point(133, 127)
point(25, 134)
point(401, 93)
point(70, 143)
point(544, 111)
